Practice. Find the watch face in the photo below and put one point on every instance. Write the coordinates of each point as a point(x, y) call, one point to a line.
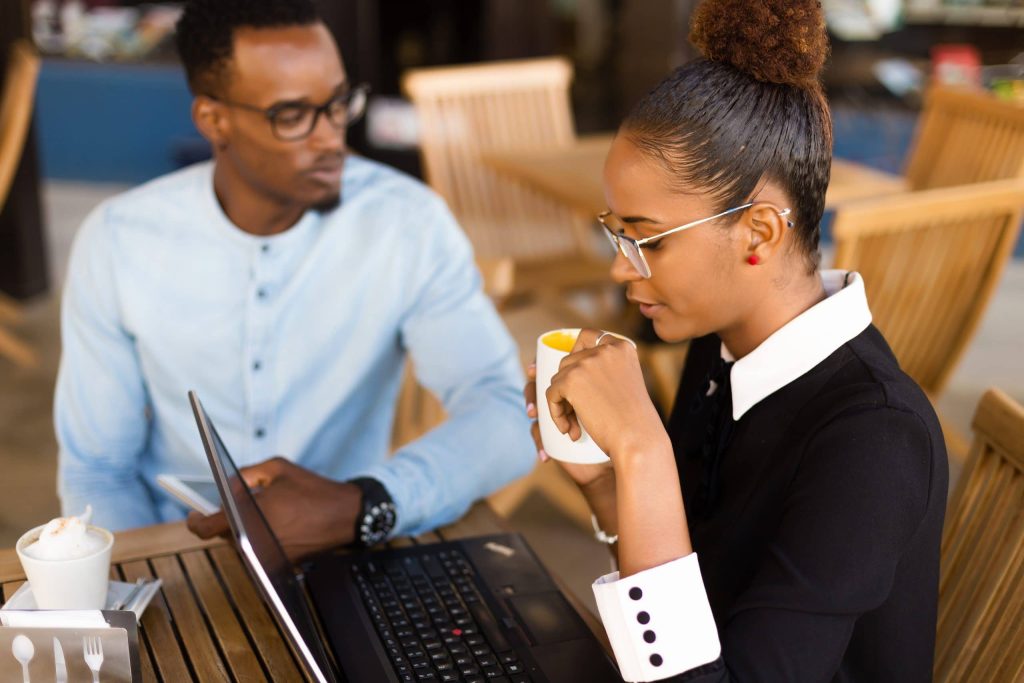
point(377, 523)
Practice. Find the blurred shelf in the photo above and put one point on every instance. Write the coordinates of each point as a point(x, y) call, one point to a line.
point(966, 15)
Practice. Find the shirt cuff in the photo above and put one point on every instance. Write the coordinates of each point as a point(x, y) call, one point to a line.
point(659, 621)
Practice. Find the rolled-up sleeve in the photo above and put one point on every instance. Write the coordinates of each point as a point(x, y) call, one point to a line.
point(659, 621)
point(462, 353)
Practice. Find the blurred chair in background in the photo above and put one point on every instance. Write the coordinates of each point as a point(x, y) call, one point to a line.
point(468, 111)
point(931, 261)
point(981, 590)
point(16, 104)
point(965, 136)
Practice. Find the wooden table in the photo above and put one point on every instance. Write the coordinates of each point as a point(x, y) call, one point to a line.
point(573, 174)
point(209, 623)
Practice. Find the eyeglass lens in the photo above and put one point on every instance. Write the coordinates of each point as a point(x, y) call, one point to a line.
point(621, 243)
point(295, 121)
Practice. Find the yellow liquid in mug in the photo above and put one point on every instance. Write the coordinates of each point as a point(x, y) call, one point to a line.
point(560, 341)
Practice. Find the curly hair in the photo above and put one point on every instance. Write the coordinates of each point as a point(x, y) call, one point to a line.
point(205, 33)
point(751, 108)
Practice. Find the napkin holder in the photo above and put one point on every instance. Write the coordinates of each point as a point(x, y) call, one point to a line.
point(118, 631)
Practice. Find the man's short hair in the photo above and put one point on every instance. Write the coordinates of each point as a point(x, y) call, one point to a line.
point(206, 30)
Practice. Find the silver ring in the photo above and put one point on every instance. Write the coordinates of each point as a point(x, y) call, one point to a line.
point(612, 334)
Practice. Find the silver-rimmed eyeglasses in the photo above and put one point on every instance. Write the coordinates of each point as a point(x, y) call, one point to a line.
point(615, 229)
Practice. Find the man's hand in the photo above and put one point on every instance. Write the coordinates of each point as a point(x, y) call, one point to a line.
point(307, 512)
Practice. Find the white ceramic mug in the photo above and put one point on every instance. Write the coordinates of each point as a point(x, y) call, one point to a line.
point(80, 583)
point(560, 446)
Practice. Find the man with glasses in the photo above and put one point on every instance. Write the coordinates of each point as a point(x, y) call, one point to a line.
point(287, 282)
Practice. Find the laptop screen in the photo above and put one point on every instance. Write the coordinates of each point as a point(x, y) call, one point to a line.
point(262, 552)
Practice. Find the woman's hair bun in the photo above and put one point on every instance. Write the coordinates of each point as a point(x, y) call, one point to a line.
point(778, 41)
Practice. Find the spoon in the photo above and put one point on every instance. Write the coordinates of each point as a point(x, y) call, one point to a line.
point(23, 650)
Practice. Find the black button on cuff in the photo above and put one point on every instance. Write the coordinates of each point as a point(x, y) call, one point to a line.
point(649, 636)
point(643, 617)
point(635, 593)
point(656, 660)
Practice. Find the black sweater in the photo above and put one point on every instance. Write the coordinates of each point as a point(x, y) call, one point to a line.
point(820, 555)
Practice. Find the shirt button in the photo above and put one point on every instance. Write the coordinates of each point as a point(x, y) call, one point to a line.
point(260, 433)
point(265, 248)
point(256, 365)
point(261, 293)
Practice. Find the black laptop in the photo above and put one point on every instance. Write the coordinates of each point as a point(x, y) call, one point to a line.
point(476, 610)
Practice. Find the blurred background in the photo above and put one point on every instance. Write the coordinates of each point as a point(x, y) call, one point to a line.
point(925, 95)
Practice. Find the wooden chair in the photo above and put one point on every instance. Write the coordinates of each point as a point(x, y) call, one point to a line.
point(981, 590)
point(965, 136)
point(16, 104)
point(931, 261)
point(467, 111)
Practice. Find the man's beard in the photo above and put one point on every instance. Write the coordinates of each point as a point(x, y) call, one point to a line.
point(327, 204)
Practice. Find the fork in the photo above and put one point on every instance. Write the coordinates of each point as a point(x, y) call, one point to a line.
point(92, 649)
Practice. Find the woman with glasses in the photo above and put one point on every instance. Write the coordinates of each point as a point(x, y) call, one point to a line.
point(785, 524)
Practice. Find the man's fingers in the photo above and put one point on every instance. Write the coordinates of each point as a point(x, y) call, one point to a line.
point(262, 474)
point(205, 526)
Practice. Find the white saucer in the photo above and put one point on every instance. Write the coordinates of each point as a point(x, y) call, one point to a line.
point(118, 590)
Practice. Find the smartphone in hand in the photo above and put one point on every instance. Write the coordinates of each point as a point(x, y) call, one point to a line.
point(198, 492)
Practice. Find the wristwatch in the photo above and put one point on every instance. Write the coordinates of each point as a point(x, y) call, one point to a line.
point(377, 518)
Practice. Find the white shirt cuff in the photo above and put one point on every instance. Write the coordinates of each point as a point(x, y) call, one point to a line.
point(659, 621)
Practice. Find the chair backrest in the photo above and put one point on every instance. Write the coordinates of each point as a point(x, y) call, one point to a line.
point(966, 136)
point(981, 590)
point(16, 103)
point(467, 111)
point(930, 261)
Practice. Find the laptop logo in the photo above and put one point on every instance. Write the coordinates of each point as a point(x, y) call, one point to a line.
point(500, 549)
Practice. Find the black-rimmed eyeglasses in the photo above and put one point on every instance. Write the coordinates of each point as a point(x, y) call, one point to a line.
point(291, 121)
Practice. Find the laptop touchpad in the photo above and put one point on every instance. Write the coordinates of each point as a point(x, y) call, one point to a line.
point(547, 618)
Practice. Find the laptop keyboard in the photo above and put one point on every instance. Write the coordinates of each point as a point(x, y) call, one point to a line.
point(432, 621)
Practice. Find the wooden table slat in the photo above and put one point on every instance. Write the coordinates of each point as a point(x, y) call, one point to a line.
point(202, 652)
point(148, 672)
point(270, 642)
point(209, 620)
point(427, 537)
point(234, 643)
point(10, 588)
point(156, 630)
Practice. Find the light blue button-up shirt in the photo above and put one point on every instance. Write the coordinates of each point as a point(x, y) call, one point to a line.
point(295, 343)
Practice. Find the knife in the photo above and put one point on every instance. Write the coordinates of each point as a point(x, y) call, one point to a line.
point(58, 659)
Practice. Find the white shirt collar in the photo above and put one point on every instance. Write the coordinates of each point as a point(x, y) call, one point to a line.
point(802, 343)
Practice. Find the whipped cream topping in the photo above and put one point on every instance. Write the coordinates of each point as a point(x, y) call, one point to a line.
point(66, 538)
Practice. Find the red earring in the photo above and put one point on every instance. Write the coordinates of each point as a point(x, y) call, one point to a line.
point(753, 260)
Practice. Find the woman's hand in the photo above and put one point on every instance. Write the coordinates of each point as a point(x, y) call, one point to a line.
point(602, 386)
point(585, 476)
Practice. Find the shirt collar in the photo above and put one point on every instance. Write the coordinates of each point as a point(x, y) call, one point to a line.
point(802, 343)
